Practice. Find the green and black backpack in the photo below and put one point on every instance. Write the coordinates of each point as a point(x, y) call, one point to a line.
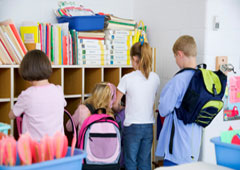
point(203, 98)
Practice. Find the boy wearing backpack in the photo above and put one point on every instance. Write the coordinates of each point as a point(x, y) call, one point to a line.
point(186, 139)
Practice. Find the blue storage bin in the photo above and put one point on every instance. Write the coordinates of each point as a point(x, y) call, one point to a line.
point(4, 128)
point(83, 23)
point(227, 154)
point(66, 163)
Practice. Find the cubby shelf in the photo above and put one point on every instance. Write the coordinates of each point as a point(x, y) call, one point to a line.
point(77, 82)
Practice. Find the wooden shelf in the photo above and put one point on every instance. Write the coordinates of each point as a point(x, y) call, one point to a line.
point(126, 70)
point(56, 76)
point(19, 83)
point(5, 107)
point(112, 75)
point(5, 83)
point(92, 76)
point(72, 81)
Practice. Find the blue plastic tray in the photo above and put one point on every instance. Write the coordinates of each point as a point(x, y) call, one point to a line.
point(4, 128)
point(66, 163)
point(227, 154)
point(83, 23)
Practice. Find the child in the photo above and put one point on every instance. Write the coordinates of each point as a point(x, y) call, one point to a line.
point(140, 88)
point(43, 103)
point(187, 138)
point(103, 96)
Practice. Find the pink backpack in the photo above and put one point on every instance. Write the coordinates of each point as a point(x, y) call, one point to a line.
point(100, 138)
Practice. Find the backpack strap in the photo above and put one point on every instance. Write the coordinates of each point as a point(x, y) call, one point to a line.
point(92, 109)
point(202, 65)
point(170, 147)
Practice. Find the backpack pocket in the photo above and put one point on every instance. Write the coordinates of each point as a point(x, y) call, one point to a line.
point(190, 100)
point(208, 112)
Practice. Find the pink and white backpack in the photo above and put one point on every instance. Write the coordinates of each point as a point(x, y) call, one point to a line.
point(100, 138)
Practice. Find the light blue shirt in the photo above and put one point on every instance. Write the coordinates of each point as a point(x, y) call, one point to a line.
point(187, 138)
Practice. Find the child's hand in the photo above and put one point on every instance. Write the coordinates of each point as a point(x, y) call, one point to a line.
point(11, 115)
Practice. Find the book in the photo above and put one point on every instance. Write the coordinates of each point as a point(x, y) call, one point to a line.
point(91, 38)
point(92, 52)
point(92, 56)
point(118, 19)
point(122, 23)
point(5, 58)
point(90, 41)
point(8, 47)
point(92, 46)
point(14, 40)
point(119, 32)
point(95, 34)
point(17, 35)
point(29, 34)
point(114, 26)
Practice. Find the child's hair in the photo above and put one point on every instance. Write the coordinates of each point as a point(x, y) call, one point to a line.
point(103, 96)
point(187, 45)
point(35, 66)
point(144, 53)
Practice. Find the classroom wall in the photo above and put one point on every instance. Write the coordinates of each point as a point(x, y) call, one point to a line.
point(166, 21)
point(224, 42)
point(42, 10)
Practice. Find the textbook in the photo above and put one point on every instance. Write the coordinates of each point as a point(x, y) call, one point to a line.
point(29, 34)
point(122, 20)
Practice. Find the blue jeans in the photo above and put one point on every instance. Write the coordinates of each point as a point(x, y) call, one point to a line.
point(168, 163)
point(137, 144)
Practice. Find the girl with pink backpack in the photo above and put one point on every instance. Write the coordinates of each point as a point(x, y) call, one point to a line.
point(99, 133)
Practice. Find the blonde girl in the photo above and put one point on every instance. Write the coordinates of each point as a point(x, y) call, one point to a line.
point(140, 88)
point(102, 97)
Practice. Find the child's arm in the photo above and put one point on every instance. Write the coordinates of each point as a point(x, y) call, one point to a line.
point(78, 117)
point(117, 104)
point(11, 115)
point(169, 97)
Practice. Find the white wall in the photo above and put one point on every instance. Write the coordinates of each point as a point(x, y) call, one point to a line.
point(224, 42)
point(166, 21)
point(42, 10)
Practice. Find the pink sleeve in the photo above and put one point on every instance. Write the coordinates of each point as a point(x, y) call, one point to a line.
point(78, 117)
point(21, 104)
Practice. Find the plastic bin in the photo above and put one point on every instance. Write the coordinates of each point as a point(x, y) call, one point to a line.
point(4, 128)
point(66, 163)
point(83, 23)
point(227, 154)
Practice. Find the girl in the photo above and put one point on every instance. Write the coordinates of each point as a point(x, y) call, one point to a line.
point(140, 88)
point(103, 96)
point(43, 103)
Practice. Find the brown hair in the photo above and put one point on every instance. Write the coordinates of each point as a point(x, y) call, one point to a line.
point(35, 66)
point(101, 97)
point(144, 53)
point(187, 45)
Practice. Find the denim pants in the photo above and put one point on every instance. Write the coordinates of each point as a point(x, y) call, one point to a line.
point(137, 144)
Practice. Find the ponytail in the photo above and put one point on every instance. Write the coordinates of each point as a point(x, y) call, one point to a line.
point(144, 54)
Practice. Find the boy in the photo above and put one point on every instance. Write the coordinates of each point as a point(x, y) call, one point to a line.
point(185, 146)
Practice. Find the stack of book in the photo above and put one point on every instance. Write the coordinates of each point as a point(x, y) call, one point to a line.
point(116, 23)
point(119, 42)
point(12, 49)
point(53, 39)
point(91, 48)
point(118, 39)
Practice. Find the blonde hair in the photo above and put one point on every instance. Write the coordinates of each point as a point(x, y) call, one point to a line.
point(144, 53)
point(187, 45)
point(102, 96)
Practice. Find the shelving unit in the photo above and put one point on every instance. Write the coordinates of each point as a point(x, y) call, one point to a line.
point(77, 82)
